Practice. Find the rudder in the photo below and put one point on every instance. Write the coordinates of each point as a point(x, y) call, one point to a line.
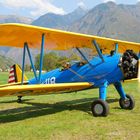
point(15, 74)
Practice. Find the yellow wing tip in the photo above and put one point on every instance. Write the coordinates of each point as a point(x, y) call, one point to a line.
point(135, 79)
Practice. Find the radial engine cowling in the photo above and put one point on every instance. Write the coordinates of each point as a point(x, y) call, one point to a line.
point(129, 64)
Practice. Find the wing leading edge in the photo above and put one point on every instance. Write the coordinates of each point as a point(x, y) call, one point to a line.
point(25, 90)
point(15, 35)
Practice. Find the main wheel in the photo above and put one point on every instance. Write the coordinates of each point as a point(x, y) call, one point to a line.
point(128, 103)
point(99, 108)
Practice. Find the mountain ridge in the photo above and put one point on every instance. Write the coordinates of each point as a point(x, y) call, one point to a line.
point(106, 19)
point(51, 20)
point(15, 19)
point(111, 20)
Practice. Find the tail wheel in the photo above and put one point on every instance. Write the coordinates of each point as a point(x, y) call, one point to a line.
point(19, 100)
point(100, 108)
point(128, 103)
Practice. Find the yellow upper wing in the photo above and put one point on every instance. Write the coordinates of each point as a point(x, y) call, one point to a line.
point(25, 90)
point(15, 35)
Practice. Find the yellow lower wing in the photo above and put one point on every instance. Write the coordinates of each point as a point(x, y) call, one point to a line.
point(25, 90)
point(135, 79)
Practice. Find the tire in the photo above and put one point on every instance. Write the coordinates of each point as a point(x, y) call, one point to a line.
point(128, 103)
point(100, 108)
point(19, 99)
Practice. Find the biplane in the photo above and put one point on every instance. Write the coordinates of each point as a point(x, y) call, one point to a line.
point(114, 62)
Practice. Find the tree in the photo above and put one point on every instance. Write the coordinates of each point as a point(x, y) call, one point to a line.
point(49, 61)
point(53, 61)
point(27, 67)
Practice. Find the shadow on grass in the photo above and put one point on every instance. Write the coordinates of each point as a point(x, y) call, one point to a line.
point(40, 109)
point(13, 101)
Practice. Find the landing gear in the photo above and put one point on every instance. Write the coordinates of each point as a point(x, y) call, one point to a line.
point(100, 108)
point(128, 103)
point(19, 99)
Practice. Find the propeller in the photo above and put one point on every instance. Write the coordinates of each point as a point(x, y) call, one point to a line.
point(130, 65)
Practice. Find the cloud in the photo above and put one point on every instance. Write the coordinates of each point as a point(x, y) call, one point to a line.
point(81, 4)
point(109, 0)
point(36, 7)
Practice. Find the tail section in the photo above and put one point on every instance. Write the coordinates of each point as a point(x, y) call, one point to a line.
point(15, 74)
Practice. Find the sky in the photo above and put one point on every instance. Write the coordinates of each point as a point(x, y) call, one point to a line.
point(36, 8)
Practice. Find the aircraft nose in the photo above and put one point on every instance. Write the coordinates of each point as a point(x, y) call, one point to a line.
point(129, 64)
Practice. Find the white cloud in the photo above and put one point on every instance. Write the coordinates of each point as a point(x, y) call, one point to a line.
point(81, 4)
point(36, 7)
point(109, 0)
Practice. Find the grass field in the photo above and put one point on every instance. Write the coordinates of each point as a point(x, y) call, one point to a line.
point(68, 117)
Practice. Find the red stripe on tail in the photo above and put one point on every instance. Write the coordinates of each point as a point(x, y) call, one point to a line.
point(12, 75)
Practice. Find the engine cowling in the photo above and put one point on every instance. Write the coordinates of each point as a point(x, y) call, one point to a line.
point(129, 64)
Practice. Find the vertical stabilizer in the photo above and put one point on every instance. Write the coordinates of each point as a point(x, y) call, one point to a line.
point(15, 74)
point(12, 77)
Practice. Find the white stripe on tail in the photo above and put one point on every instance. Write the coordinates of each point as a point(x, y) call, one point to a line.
point(12, 78)
point(15, 74)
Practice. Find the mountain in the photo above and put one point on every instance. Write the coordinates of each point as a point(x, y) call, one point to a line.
point(107, 19)
point(4, 50)
point(5, 62)
point(51, 20)
point(12, 19)
point(15, 19)
point(111, 20)
point(16, 55)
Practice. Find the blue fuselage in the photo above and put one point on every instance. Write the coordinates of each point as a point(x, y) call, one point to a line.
point(97, 72)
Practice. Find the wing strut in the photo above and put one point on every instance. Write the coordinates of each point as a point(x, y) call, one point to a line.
point(32, 64)
point(41, 57)
point(116, 47)
point(83, 56)
point(26, 47)
point(98, 50)
point(23, 63)
point(31, 61)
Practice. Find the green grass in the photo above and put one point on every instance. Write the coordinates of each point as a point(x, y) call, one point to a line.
point(5, 75)
point(68, 117)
